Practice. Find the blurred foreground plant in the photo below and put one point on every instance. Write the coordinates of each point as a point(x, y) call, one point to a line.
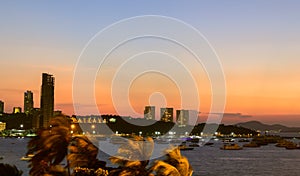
point(55, 144)
point(9, 170)
point(175, 164)
point(133, 160)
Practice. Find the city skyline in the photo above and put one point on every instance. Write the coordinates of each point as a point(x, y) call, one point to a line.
point(230, 118)
point(257, 46)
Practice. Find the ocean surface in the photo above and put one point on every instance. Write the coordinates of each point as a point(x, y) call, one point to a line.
point(206, 160)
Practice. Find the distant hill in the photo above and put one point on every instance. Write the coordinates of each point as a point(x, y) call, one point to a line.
point(256, 125)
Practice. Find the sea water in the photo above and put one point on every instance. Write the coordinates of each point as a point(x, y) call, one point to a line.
point(206, 160)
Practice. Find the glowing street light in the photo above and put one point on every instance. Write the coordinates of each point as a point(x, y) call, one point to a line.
point(93, 127)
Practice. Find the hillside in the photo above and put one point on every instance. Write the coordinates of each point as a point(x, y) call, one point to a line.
point(255, 125)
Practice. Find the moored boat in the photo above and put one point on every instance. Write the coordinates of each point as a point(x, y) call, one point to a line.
point(251, 144)
point(291, 146)
point(231, 147)
point(183, 146)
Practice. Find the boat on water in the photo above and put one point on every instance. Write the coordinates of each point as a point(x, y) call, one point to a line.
point(233, 146)
point(291, 146)
point(286, 144)
point(227, 140)
point(183, 146)
point(267, 139)
point(251, 144)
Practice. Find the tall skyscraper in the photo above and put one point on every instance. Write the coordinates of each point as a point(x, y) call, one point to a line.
point(1, 107)
point(182, 117)
point(47, 100)
point(166, 114)
point(28, 102)
point(149, 112)
point(36, 118)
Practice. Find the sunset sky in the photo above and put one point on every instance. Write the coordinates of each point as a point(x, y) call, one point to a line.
point(258, 44)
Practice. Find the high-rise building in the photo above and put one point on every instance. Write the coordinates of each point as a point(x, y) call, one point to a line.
point(36, 117)
point(166, 114)
point(28, 102)
point(182, 117)
point(149, 112)
point(1, 107)
point(17, 110)
point(47, 100)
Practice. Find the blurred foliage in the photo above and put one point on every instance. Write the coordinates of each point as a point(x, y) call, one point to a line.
point(56, 144)
point(133, 160)
point(9, 170)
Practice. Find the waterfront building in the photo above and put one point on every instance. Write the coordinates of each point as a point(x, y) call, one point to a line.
point(166, 114)
point(28, 102)
point(149, 112)
point(47, 100)
point(2, 126)
point(182, 117)
point(1, 107)
point(17, 110)
point(57, 113)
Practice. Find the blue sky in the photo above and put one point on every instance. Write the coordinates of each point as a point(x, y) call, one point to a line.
point(257, 42)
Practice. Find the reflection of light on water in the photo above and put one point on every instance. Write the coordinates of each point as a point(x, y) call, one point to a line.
point(290, 159)
point(237, 158)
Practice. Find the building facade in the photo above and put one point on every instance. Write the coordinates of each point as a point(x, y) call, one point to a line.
point(2, 126)
point(36, 117)
point(47, 100)
point(28, 102)
point(17, 110)
point(1, 107)
point(182, 117)
point(149, 112)
point(166, 114)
